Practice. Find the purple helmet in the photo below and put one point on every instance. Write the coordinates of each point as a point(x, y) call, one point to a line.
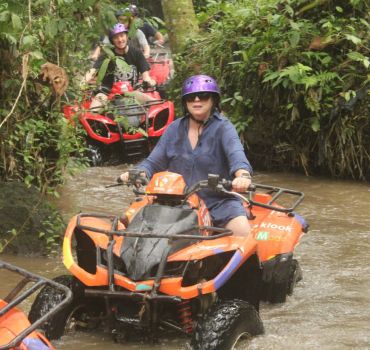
point(116, 29)
point(200, 83)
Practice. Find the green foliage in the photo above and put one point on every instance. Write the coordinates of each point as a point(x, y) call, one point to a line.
point(53, 226)
point(36, 141)
point(49, 237)
point(295, 79)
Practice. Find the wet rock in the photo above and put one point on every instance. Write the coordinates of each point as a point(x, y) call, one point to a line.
point(24, 214)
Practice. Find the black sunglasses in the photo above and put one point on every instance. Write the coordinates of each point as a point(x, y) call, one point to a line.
point(203, 96)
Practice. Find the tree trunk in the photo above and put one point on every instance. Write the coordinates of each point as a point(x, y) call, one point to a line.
point(180, 21)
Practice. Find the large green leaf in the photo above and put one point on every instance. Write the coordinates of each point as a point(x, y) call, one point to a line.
point(51, 28)
point(103, 70)
point(122, 65)
point(16, 22)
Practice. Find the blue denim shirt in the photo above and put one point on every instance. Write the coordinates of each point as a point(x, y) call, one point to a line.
point(219, 151)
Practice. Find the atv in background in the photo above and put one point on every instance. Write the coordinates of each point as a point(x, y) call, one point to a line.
point(125, 129)
point(161, 68)
point(164, 266)
point(16, 331)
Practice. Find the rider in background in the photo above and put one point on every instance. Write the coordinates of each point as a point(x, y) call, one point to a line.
point(118, 36)
point(138, 39)
point(204, 142)
point(153, 35)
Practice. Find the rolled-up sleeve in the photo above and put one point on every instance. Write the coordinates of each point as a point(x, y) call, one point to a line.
point(157, 160)
point(234, 150)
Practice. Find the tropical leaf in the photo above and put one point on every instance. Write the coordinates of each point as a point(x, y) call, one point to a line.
point(103, 70)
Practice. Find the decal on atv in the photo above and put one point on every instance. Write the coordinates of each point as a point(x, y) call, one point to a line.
point(266, 236)
point(161, 182)
point(275, 226)
point(262, 236)
point(204, 215)
point(143, 287)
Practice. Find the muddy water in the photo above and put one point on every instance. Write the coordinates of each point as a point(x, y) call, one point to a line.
point(330, 308)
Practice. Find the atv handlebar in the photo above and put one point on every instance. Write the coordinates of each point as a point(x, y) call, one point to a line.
point(145, 87)
point(135, 178)
point(214, 183)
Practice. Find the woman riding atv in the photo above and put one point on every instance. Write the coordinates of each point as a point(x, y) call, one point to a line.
point(204, 141)
point(134, 62)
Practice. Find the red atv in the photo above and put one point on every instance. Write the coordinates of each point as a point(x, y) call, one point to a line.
point(161, 67)
point(140, 127)
point(16, 331)
point(164, 266)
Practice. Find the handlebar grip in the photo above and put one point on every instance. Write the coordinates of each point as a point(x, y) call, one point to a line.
point(227, 184)
point(252, 188)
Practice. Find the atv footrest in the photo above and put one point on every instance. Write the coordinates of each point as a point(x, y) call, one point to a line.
point(129, 320)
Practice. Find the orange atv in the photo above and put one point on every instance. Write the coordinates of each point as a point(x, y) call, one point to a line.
point(16, 332)
point(163, 265)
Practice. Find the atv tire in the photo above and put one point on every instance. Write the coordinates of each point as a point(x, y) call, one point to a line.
point(225, 323)
point(295, 276)
point(277, 289)
point(94, 153)
point(71, 315)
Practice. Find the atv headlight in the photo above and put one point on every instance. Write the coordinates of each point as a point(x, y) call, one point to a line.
point(98, 127)
point(161, 119)
point(205, 269)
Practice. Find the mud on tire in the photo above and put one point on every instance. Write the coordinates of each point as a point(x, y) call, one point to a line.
point(225, 323)
point(49, 297)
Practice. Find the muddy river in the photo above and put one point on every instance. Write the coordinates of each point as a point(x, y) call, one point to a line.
point(330, 308)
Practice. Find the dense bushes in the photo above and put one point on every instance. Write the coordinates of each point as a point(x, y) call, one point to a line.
point(36, 142)
point(295, 80)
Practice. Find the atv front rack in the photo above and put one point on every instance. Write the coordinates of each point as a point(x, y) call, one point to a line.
point(143, 106)
point(16, 296)
point(114, 231)
point(276, 194)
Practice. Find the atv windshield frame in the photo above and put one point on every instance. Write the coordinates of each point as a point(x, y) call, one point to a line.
point(114, 231)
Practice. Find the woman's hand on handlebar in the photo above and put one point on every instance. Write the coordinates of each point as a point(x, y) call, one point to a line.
point(123, 177)
point(136, 179)
point(241, 184)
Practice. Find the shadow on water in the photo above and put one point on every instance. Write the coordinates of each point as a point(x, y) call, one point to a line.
point(329, 308)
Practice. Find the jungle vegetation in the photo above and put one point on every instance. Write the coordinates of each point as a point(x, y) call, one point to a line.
point(294, 75)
